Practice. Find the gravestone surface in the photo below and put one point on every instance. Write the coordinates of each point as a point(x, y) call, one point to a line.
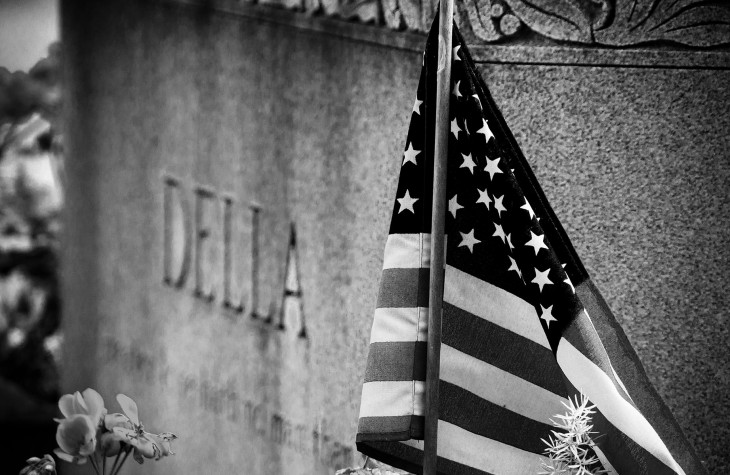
point(231, 170)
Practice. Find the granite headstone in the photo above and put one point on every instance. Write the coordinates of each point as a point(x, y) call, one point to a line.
point(231, 170)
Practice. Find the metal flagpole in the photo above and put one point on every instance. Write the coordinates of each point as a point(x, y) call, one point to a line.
point(438, 215)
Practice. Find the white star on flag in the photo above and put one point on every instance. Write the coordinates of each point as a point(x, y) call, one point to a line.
point(455, 54)
point(492, 167)
point(417, 107)
point(528, 208)
point(456, 91)
point(509, 242)
point(541, 278)
point(406, 202)
point(486, 131)
point(455, 129)
point(484, 197)
point(468, 240)
point(410, 155)
point(514, 267)
point(547, 315)
point(468, 163)
point(568, 281)
point(454, 206)
point(536, 242)
point(499, 232)
point(499, 206)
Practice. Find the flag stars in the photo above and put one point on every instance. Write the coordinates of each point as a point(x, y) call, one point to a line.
point(454, 206)
point(406, 203)
point(536, 242)
point(456, 91)
point(499, 232)
point(568, 281)
point(455, 54)
point(455, 129)
point(417, 107)
point(546, 315)
point(513, 267)
point(486, 131)
point(498, 205)
point(492, 168)
point(410, 155)
point(468, 163)
point(541, 278)
point(509, 242)
point(528, 208)
point(484, 197)
point(468, 240)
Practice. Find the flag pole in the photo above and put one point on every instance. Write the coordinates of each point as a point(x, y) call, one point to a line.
point(438, 216)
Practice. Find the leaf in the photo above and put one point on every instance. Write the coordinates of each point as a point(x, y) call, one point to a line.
point(557, 19)
point(695, 23)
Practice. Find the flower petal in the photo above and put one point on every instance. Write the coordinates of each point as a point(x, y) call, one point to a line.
point(127, 435)
point(69, 458)
point(76, 435)
point(79, 404)
point(117, 420)
point(137, 457)
point(163, 442)
point(147, 447)
point(94, 403)
point(66, 405)
point(129, 407)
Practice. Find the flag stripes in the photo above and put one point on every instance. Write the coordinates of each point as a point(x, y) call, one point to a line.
point(586, 375)
point(396, 361)
point(392, 398)
point(583, 336)
point(466, 448)
point(403, 288)
point(389, 428)
point(480, 416)
point(407, 251)
point(487, 301)
point(398, 324)
point(623, 452)
point(501, 348)
point(498, 386)
point(396, 368)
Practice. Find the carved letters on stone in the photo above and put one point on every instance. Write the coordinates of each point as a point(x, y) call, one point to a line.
point(202, 251)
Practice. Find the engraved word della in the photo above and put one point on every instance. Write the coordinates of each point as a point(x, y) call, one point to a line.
point(212, 247)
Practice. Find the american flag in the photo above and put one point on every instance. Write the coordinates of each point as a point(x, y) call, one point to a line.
point(524, 328)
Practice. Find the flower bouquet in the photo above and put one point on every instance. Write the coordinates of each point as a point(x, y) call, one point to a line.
point(89, 433)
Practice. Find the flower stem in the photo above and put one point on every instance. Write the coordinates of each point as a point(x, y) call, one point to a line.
point(93, 464)
point(116, 460)
point(119, 467)
point(103, 465)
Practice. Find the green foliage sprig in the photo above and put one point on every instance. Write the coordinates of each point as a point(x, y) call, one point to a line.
point(570, 450)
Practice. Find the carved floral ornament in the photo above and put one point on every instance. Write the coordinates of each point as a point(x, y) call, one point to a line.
point(695, 23)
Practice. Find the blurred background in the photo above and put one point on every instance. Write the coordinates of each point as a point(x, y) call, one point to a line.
point(31, 199)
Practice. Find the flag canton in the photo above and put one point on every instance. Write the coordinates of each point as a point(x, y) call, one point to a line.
point(493, 231)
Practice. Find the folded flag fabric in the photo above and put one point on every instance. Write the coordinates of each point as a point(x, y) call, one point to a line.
point(523, 329)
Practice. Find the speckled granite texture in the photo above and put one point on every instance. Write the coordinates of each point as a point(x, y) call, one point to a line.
point(310, 127)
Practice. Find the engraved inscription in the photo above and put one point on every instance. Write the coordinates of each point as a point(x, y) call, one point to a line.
point(222, 399)
point(212, 247)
